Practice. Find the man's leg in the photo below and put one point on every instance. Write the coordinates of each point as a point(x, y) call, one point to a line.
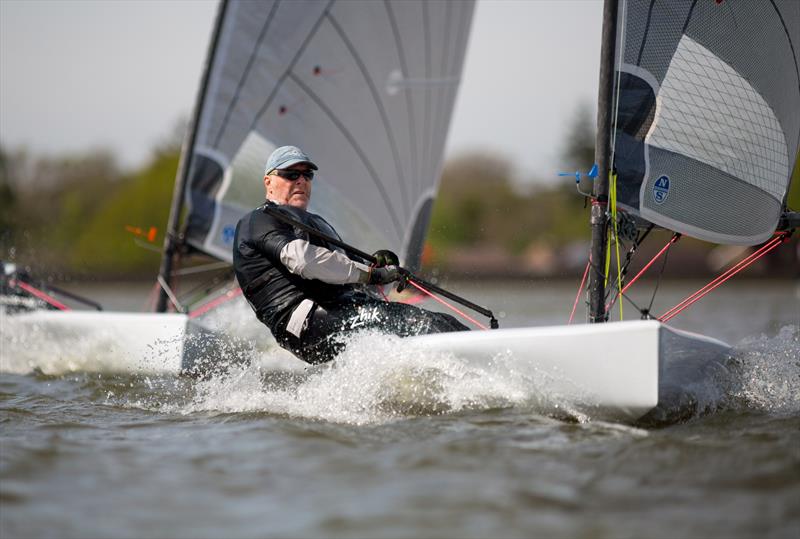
point(408, 320)
point(323, 337)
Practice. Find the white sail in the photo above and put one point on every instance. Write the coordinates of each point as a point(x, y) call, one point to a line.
point(366, 89)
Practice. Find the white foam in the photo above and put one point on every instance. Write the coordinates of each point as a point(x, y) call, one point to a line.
point(378, 378)
point(768, 374)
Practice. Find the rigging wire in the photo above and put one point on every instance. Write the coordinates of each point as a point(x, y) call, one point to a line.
point(665, 249)
point(50, 300)
point(618, 76)
point(580, 289)
point(741, 265)
point(219, 300)
point(658, 282)
point(446, 304)
point(616, 234)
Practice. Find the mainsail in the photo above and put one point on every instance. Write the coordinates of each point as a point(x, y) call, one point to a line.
point(706, 114)
point(365, 88)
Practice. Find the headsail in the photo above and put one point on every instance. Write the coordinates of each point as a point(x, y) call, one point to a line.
point(707, 114)
point(365, 88)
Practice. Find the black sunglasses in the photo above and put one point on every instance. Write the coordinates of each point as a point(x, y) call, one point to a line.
point(294, 175)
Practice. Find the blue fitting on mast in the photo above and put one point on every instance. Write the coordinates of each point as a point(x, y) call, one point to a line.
point(592, 174)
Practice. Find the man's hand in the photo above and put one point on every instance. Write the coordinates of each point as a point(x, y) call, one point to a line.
point(385, 257)
point(384, 275)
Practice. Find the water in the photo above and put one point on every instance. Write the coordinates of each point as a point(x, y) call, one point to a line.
point(393, 444)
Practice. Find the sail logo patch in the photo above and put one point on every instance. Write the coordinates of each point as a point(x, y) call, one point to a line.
point(661, 189)
point(227, 234)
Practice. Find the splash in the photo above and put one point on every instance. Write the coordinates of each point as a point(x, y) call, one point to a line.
point(768, 373)
point(378, 378)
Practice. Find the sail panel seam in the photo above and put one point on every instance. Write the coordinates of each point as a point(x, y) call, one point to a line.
point(412, 144)
point(291, 65)
point(443, 72)
point(224, 124)
point(362, 155)
point(379, 105)
point(646, 32)
point(426, 134)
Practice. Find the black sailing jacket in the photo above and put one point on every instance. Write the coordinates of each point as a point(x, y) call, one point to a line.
point(272, 290)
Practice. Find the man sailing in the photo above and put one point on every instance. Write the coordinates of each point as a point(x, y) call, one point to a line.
point(308, 293)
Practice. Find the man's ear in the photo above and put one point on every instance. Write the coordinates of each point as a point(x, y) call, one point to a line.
point(267, 180)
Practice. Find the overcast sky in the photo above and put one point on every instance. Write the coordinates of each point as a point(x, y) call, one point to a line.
point(120, 74)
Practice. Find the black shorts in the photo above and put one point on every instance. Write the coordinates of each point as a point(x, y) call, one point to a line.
point(321, 339)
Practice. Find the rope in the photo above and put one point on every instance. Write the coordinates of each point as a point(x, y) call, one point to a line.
point(664, 249)
point(40, 294)
point(616, 234)
point(580, 289)
point(226, 296)
point(658, 283)
point(413, 300)
point(618, 77)
point(443, 302)
point(152, 297)
point(693, 298)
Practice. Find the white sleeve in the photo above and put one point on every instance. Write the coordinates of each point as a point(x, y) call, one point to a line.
point(313, 262)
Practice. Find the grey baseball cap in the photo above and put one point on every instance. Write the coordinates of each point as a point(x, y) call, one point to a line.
point(286, 156)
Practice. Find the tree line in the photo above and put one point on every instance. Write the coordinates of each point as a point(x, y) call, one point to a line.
point(83, 217)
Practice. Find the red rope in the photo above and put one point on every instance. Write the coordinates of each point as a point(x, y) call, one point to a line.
point(443, 302)
point(408, 301)
point(413, 300)
point(580, 289)
point(385, 297)
point(150, 303)
point(227, 296)
point(39, 294)
point(625, 288)
point(697, 296)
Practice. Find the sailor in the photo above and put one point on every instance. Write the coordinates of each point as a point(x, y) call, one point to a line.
point(311, 294)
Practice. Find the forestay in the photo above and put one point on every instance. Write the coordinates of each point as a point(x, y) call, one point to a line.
point(365, 88)
point(707, 114)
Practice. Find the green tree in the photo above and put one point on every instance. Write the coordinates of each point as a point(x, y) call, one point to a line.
point(143, 200)
point(578, 148)
point(8, 201)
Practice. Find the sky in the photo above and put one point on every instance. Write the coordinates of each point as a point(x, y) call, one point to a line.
point(77, 76)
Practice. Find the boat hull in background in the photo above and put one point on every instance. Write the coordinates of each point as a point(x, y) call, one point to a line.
point(57, 342)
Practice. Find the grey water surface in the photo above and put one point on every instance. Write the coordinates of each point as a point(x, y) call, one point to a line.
point(351, 453)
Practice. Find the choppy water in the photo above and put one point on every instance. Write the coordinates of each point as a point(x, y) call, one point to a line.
point(397, 444)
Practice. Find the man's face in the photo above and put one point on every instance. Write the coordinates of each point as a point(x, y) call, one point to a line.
point(284, 190)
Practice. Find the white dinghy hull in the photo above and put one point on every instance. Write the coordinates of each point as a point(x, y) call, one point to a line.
point(612, 371)
point(616, 371)
point(113, 342)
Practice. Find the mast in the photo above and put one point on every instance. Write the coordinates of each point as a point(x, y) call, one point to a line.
point(602, 154)
point(172, 239)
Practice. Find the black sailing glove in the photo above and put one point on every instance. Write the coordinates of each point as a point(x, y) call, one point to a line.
point(384, 275)
point(385, 257)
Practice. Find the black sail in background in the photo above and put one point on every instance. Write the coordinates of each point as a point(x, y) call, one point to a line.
point(364, 88)
point(707, 114)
